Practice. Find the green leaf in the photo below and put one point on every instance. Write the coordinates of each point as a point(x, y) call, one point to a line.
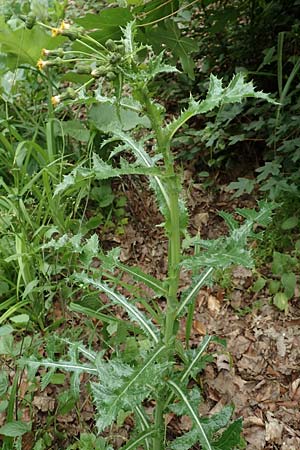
point(236, 91)
point(289, 281)
point(259, 284)
point(290, 223)
point(242, 186)
point(107, 18)
point(202, 436)
point(274, 286)
point(107, 117)
point(72, 128)
point(3, 383)
point(185, 442)
point(15, 429)
point(6, 329)
point(169, 35)
point(136, 442)
point(121, 387)
point(25, 45)
point(20, 319)
point(281, 301)
point(188, 295)
point(230, 438)
point(119, 299)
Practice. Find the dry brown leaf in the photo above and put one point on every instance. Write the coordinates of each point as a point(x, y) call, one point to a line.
point(251, 421)
point(44, 403)
point(255, 437)
point(295, 390)
point(274, 430)
point(199, 327)
point(223, 362)
point(213, 305)
point(200, 219)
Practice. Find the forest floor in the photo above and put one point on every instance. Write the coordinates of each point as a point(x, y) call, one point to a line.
point(258, 371)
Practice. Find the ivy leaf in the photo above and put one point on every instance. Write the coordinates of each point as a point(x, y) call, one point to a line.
point(242, 186)
point(169, 35)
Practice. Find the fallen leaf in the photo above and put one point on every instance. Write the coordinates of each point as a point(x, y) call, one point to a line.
point(274, 430)
point(213, 305)
point(199, 327)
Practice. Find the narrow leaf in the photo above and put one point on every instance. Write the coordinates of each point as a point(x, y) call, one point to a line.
point(202, 435)
point(133, 312)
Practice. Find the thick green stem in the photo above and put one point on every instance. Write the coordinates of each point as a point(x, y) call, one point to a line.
point(171, 185)
point(173, 258)
point(159, 424)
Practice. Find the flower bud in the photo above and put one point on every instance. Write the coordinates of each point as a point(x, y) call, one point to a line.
point(56, 52)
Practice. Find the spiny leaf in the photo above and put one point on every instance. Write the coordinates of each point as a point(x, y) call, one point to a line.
point(119, 389)
point(185, 442)
point(193, 290)
point(231, 437)
point(202, 436)
point(119, 299)
point(236, 91)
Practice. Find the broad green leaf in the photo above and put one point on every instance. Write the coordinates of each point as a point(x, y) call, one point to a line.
point(290, 223)
point(259, 284)
point(6, 329)
point(107, 18)
point(274, 286)
point(25, 45)
point(72, 128)
point(20, 319)
point(281, 301)
point(169, 35)
point(107, 117)
point(289, 281)
point(15, 429)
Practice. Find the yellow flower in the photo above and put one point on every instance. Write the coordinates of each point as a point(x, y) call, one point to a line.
point(41, 64)
point(57, 31)
point(55, 100)
point(54, 32)
point(45, 52)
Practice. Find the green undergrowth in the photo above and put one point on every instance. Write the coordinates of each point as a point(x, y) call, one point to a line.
point(97, 120)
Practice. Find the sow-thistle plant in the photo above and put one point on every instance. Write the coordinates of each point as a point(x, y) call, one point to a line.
point(162, 377)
